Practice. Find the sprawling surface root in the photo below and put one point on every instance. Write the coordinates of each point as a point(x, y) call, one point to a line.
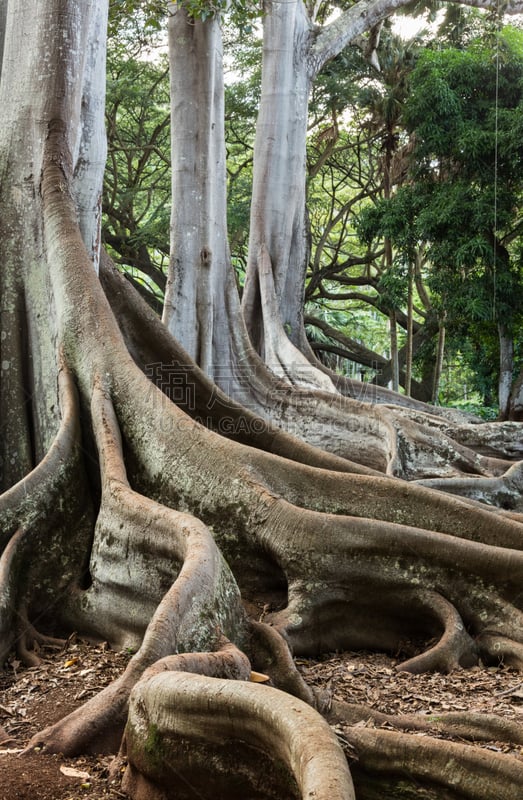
point(272, 655)
point(328, 562)
point(37, 493)
point(35, 515)
point(504, 491)
point(170, 368)
point(457, 770)
point(454, 649)
point(214, 738)
point(347, 580)
point(469, 726)
point(406, 443)
point(202, 602)
point(29, 640)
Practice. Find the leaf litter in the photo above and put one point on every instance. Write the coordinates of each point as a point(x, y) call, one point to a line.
point(373, 680)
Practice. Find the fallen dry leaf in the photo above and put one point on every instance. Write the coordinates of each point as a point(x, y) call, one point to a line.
point(74, 773)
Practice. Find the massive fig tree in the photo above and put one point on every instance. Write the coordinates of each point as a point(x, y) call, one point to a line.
point(124, 517)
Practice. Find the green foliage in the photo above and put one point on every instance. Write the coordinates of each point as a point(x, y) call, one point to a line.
point(338, 85)
point(242, 13)
point(150, 15)
point(461, 202)
point(141, 17)
point(136, 200)
point(392, 286)
point(468, 158)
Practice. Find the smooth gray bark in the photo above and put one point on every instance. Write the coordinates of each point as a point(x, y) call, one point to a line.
point(516, 399)
point(278, 220)
point(200, 278)
point(294, 53)
point(3, 16)
point(440, 351)
point(90, 156)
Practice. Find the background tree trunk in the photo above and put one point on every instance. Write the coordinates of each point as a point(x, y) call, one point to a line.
point(410, 332)
point(200, 275)
point(506, 369)
point(278, 218)
point(440, 352)
point(516, 399)
point(394, 355)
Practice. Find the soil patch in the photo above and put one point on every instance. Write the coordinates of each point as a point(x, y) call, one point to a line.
point(33, 698)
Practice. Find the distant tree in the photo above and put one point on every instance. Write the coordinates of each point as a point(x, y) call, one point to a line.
point(367, 159)
point(463, 200)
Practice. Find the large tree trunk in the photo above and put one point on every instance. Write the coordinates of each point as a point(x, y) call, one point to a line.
point(122, 517)
point(278, 241)
point(202, 305)
point(196, 305)
point(394, 352)
point(295, 49)
point(410, 332)
point(440, 353)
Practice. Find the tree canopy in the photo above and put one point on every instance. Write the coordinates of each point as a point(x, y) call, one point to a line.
point(462, 200)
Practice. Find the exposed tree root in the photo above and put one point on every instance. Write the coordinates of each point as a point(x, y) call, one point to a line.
point(271, 655)
point(4, 736)
point(491, 438)
point(165, 362)
point(17, 455)
point(502, 649)
point(407, 557)
point(284, 359)
point(13, 625)
point(284, 532)
point(29, 640)
point(215, 738)
point(455, 648)
point(226, 662)
point(473, 727)
point(387, 500)
point(37, 494)
point(202, 602)
point(464, 771)
point(505, 491)
point(38, 505)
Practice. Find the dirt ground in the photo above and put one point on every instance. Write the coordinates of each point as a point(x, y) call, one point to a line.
point(31, 699)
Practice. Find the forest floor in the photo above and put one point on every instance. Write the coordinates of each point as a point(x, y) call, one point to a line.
point(32, 698)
